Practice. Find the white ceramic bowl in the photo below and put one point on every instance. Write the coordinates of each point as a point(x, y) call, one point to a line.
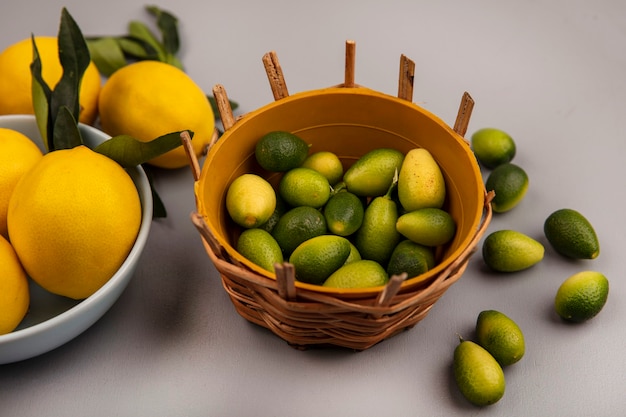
point(53, 320)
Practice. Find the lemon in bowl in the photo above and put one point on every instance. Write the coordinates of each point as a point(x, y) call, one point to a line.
point(53, 319)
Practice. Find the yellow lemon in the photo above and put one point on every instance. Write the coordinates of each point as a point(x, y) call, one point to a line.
point(148, 99)
point(250, 200)
point(16, 78)
point(73, 219)
point(14, 295)
point(18, 154)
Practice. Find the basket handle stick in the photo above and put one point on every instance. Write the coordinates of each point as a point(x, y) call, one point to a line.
point(350, 64)
point(390, 291)
point(191, 154)
point(405, 78)
point(286, 280)
point(223, 106)
point(464, 114)
point(275, 75)
point(205, 232)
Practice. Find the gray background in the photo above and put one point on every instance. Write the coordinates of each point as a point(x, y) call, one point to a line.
point(550, 73)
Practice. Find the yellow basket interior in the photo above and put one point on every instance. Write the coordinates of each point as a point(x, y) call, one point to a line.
point(349, 122)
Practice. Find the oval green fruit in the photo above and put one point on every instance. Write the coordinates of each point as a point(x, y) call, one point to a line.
point(317, 258)
point(373, 173)
point(510, 183)
point(427, 226)
point(377, 236)
point(511, 251)
point(571, 234)
point(477, 374)
point(410, 257)
point(358, 274)
point(420, 182)
point(344, 213)
point(493, 147)
point(500, 336)
point(304, 187)
point(326, 163)
point(582, 296)
point(280, 151)
point(297, 225)
point(354, 254)
point(259, 247)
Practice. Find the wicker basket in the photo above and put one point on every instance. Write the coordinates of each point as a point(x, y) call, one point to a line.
point(307, 315)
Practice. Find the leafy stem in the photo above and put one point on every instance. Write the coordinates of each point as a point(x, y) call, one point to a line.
point(111, 53)
point(57, 110)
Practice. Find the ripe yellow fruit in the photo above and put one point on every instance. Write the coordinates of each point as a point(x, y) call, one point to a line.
point(14, 293)
point(250, 200)
point(16, 78)
point(18, 154)
point(421, 183)
point(73, 219)
point(148, 99)
point(326, 163)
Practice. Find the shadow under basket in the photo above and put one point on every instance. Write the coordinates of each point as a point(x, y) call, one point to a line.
point(348, 120)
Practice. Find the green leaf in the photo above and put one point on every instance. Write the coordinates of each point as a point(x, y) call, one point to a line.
point(65, 133)
point(137, 48)
point(107, 54)
point(141, 31)
point(129, 152)
point(158, 208)
point(41, 98)
point(168, 25)
point(74, 57)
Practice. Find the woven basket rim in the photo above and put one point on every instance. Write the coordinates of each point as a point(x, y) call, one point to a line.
point(229, 266)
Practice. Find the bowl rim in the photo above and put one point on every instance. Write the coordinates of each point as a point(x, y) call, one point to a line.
point(411, 282)
point(119, 279)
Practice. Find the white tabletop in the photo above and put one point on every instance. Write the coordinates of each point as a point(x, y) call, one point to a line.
point(552, 74)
